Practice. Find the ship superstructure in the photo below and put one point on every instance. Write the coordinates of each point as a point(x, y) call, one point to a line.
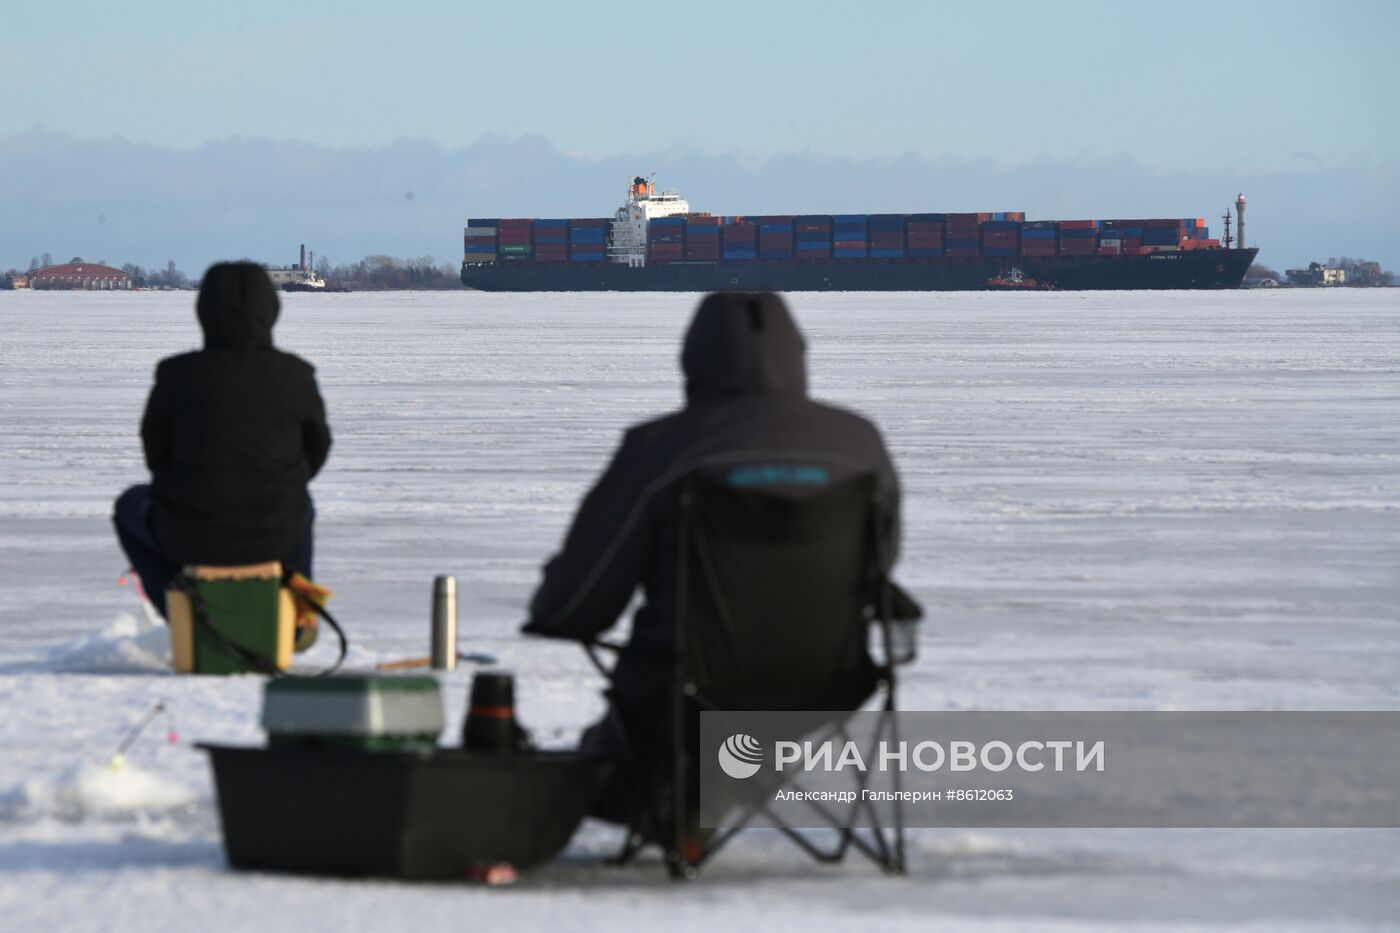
point(628, 234)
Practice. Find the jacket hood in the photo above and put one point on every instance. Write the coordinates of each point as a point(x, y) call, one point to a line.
point(743, 343)
point(237, 306)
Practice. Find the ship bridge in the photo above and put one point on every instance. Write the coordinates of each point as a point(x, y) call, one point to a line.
point(629, 227)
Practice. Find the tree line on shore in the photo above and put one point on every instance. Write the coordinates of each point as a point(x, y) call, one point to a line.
point(1360, 273)
point(368, 274)
point(389, 272)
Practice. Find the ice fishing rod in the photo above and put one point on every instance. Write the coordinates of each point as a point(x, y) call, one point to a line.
point(171, 735)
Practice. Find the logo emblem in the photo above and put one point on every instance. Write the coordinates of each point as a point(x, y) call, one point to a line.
point(740, 756)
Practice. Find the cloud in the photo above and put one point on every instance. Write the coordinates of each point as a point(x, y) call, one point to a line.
point(122, 201)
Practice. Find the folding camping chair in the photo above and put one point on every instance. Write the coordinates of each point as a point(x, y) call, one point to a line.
point(777, 590)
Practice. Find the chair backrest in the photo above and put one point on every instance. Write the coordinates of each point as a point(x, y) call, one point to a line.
point(252, 614)
point(776, 589)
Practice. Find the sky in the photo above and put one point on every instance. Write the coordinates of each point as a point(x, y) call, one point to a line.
point(145, 114)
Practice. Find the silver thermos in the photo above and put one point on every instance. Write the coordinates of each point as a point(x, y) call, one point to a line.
point(444, 646)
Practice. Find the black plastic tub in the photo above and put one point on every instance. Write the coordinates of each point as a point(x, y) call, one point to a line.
point(414, 815)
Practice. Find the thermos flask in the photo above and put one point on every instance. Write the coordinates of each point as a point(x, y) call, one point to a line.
point(444, 635)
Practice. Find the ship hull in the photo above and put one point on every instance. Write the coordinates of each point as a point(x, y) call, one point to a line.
point(1191, 269)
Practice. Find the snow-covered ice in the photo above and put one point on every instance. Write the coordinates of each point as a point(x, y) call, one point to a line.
point(1113, 501)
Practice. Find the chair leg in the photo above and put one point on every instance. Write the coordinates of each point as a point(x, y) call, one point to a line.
point(632, 843)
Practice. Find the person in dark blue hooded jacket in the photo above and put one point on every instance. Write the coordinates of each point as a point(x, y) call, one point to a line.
point(232, 434)
point(746, 407)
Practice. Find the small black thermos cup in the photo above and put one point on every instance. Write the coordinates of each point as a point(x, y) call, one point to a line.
point(490, 725)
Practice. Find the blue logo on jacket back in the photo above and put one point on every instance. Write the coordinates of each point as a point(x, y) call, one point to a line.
point(776, 474)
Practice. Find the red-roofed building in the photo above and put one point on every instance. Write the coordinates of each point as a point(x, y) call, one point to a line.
point(79, 275)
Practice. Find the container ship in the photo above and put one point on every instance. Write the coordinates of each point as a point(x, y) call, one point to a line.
point(655, 242)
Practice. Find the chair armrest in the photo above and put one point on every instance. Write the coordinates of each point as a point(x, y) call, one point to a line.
point(900, 613)
point(903, 607)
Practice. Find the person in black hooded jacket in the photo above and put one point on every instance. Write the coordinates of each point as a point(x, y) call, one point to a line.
point(232, 435)
point(746, 405)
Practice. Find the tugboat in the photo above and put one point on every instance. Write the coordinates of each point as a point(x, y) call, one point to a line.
point(1014, 278)
point(298, 278)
